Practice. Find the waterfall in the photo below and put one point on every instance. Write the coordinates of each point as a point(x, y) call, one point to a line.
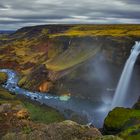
point(121, 91)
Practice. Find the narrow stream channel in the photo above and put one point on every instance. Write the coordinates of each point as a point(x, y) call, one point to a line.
point(94, 112)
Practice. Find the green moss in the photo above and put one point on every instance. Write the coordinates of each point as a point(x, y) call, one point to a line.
point(121, 118)
point(131, 133)
point(43, 115)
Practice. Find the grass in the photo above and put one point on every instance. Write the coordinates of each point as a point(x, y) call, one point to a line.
point(102, 30)
point(42, 115)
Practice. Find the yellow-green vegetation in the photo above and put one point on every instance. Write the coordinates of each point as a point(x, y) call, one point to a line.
point(44, 115)
point(121, 118)
point(70, 58)
point(102, 30)
point(7, 97)
point(131, 133)
point(3, 77)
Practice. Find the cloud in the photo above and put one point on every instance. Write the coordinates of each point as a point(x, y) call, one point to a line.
point(18, 13)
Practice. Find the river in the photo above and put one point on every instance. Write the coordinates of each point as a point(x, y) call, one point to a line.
point(94, 112)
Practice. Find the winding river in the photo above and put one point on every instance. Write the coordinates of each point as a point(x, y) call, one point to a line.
point(94, 112)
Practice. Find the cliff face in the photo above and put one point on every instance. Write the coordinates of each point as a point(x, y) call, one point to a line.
point(64, 56)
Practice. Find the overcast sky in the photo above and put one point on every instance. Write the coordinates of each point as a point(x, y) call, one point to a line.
point(15, 14)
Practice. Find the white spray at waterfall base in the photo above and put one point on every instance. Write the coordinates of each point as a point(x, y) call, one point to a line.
point(121, 91)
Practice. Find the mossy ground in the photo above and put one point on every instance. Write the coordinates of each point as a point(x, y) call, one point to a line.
point(43, 115)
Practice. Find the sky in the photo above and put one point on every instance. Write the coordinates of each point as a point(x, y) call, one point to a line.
point(15, 14)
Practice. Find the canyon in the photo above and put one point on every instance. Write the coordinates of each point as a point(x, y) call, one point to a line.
point(79, 61)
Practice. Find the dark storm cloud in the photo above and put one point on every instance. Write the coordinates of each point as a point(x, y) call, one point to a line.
point(131, 1)
point(2, 6)
point(17, 13)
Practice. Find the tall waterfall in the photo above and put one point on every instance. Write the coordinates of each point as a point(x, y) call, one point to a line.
point(121, 91)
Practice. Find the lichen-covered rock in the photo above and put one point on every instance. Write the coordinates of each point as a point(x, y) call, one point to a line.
point(119, 119)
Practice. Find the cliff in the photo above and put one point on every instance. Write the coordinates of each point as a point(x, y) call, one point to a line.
point(48, 56)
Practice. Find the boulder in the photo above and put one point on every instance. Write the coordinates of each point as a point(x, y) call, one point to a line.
point(120, 119)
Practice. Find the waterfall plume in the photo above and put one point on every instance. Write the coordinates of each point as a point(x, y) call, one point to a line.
point(122, 87)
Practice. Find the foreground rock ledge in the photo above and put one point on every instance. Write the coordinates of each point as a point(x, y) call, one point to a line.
point(66, 130)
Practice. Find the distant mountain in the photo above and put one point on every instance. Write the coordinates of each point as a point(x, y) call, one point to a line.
point(6, 31)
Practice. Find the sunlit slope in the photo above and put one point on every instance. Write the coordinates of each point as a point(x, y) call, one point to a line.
point(102, 30)
point(71, 57)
